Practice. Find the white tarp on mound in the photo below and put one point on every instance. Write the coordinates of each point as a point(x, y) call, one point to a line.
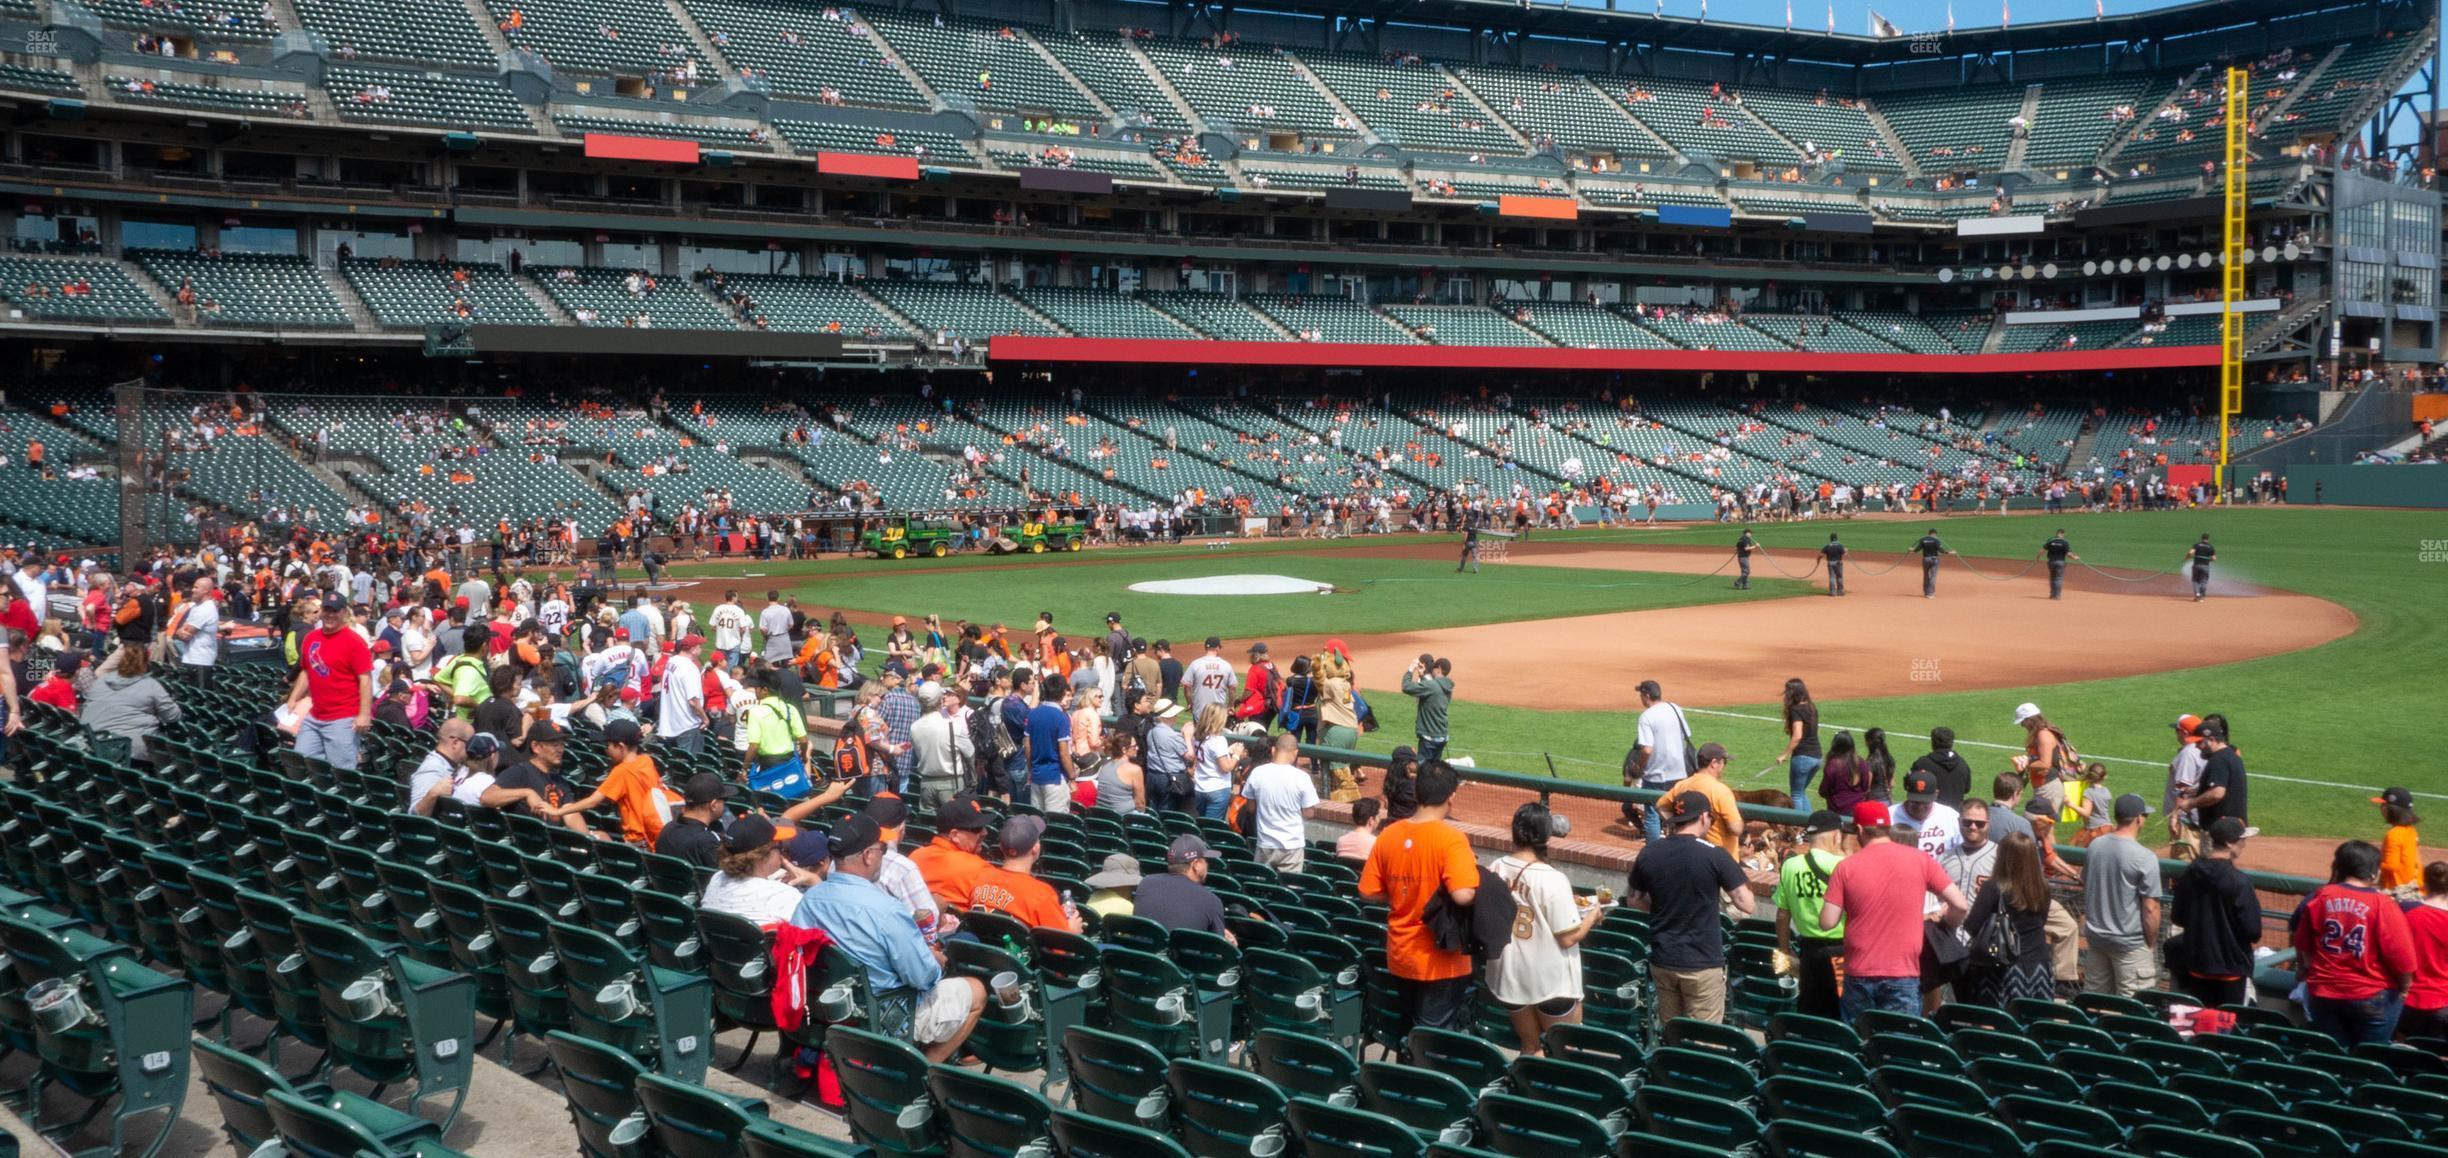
point(1235, 585)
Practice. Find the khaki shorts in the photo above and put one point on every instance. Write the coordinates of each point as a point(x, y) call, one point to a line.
point(1284, 860)
point(944, 1011)
point(1693, 993)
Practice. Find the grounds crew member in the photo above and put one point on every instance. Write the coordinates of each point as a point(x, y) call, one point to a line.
point(1930, 548)
point(2058, 551)
point(1742, 557)
point(1835, 553)
point(2202, 554)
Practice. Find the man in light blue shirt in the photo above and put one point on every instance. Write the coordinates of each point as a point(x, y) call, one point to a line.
point(877, 931)
point(640, 625)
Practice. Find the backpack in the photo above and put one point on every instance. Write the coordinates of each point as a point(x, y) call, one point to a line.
point(852, 759)
point(617, 676)
point(566, 679)
point(1482, 929)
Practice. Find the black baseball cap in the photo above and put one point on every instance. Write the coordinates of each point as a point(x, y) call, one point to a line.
point(1710, 753)
point(808, 848)
point(888, 810)
point(1215, 641)
point(545, 732)
point(2397, 796)
point(2131, 805)
point(1822, 821)
point(1189, 847)
point(2228, 832)
point(747, 834)
point(960, 813)
point(1920, 788)
point(1686, 807)
point(853, 836)
point(1113, 617)
point(706, 788)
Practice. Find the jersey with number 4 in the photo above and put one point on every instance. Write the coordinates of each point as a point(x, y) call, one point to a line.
point(2352, 942)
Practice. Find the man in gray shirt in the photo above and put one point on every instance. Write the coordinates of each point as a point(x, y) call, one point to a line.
point(2006, 807)
point(775, 622)
point(2121, 907)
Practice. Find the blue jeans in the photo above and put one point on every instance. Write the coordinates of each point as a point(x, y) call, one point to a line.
point(2352, 1023)
point(1212, 804)
point(1799, 773)
point(1430, 749)
point(1893, 994)
point(1652, 829)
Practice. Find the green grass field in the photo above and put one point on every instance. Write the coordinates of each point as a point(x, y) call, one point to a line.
point(2321, 729)
point(1383, 595)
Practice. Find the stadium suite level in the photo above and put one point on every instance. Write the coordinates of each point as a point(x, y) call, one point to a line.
point(926, 190)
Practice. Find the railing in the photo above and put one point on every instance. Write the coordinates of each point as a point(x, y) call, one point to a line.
point(2272, 975)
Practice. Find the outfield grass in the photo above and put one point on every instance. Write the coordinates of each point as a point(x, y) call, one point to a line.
point(1376, 595)
point(2321, 729)
point(2345, 718)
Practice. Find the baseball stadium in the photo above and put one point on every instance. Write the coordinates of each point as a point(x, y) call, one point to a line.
point(1115, 579)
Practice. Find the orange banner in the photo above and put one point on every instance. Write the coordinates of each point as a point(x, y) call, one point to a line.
point(1553, 208)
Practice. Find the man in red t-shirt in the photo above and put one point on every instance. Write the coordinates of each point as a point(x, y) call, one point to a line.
point(1879, 895)
point(336, 683)
point(2354, 950)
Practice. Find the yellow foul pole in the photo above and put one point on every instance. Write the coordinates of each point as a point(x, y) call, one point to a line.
point(2231, 276)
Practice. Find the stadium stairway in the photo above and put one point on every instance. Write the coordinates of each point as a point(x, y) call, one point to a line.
point(2020, 147)
point(2285, 322)
point(486, 24)
point(888, 310)
point(1156, 76)
point(1463, 89)
point(1887, 136)
point(2080, 452)
point(892, 56)
point(705, 48)
point(1602, 456)
point(359, 316)
point(1258, 483)
point(1482, 445)
point(1053, 62)
point(1301, 69)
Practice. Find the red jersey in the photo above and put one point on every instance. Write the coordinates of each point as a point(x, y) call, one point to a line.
point(2351, 942)
point(333, 662)
point(2428, 926)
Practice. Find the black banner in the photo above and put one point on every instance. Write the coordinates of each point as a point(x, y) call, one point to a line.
point(625, 341)
point(1067, 181)
point(1369, 200)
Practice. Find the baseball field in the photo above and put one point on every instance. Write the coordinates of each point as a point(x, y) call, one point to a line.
point(2314, 642)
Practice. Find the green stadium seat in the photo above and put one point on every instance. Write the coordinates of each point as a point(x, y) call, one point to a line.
point(1789, 1098)
point(1114, 1077)
point(1929, 1132)
point(2169, 1142)
point(320, 1129)
point(2277, 1134)
point(691, 1121)
point(1697, 1119)
point(1911, 1085)
point(241, 1086)
point(1086, 1136)
point(988, 1116)
point(1222, 1112)
point(1530, 1128)
point(1329, 1131)
point(1788, 1138)
point(2134, 1106)
point(2037, 1119)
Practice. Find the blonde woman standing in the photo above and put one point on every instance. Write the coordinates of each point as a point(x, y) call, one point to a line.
point(1339, 723)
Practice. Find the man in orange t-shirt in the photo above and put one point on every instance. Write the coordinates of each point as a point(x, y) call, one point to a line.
point(633, 785)
point(1412, 861)
point(949, 863)
point(1010, 890)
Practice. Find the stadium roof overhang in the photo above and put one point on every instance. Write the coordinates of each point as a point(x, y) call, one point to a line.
point(1339, 355)
point(1685, 32)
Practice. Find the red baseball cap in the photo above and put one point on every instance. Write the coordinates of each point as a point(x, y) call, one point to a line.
point(462, 601)
point(1871, 814)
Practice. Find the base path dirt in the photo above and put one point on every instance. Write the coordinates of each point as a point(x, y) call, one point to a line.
point(1880, 639)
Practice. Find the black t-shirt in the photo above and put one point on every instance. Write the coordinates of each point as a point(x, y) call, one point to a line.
point(500, 716)
point(1172, 669)
point(1177, 902)
point(1930, 547)
point(1743, 546)
point(2223, 769)
point(1835, 552)
point(1808, 716)
point(1682, 876)
point(2203, 553)
point(2057, 550)
point(550, 785)
point(1952, 774)
point(691, 841)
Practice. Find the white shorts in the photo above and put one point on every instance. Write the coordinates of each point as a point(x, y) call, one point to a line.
point(943, 1012)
